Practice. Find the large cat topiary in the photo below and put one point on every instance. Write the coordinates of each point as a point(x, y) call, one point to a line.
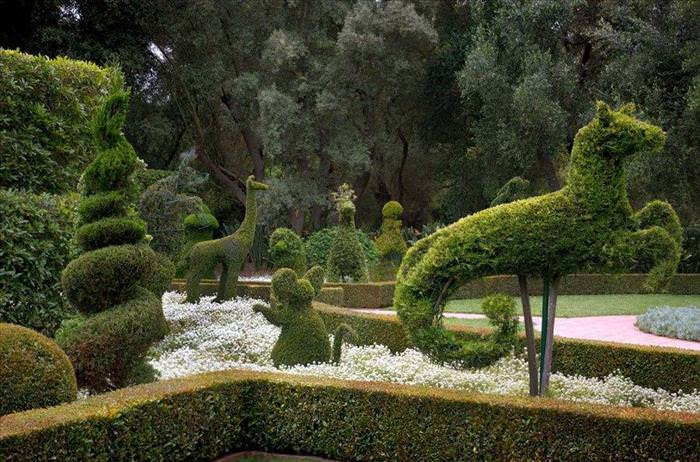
point(390, 244)
point(346, 261)
point(304, 337)
point(587, 225)
point(117, 282)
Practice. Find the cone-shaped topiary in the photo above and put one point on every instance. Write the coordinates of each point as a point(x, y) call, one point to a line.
point(109, 284)
point(587, 225)
point(199, 227)
point(230, 251)
point(346, 261)
point(390, 244)
point(287, 250)
point(34, 371)
point(304, 337)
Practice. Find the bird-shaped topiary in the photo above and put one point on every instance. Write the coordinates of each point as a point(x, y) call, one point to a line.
point(390, 244)
point(117, 282)
point(304, 337)
point(346, 260)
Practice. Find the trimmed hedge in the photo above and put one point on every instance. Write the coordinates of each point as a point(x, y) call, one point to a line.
point(655, 367)
point(36, 233)
point(34, 371)
point(45, 110)
point(209, 415)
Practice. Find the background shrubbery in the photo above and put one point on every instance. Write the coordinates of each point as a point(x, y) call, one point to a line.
point(319, 244)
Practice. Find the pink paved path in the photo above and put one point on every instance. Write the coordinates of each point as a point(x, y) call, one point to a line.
point(619, 329)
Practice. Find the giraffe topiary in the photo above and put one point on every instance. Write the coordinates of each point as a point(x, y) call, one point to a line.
point(230, 251)
point(587, 225)
point(304, 337)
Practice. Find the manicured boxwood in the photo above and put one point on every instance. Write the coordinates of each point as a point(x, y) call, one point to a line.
point(655, 367)
point(209, 415)
point(110, 231)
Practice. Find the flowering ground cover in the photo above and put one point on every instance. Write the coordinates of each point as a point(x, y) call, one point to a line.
point(211, 336)
point(682, 322)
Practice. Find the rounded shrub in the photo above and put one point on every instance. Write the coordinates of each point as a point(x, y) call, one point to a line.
point(286, 250)
point(110, 231)
point(390, 243)
point(501, 313)
point(392, 209)
point(34, 371)
point(346, 260)
point(102, 205)
point(319, 244)
point(36, 233)
point(106, 347)
point(159, 279)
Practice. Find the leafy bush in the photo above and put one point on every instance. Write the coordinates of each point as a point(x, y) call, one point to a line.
point(286, 250)
point(501, 312)
point(514, 189)
point(34, 372)
point(676, 322)
point(319, 244)
point(35, 245)
point(199, 227)
point(45, 110)
point(690, 261)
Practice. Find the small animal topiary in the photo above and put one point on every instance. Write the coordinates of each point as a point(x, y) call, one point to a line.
point(390, 244)
point(34, 371)
point(304, 337)
point(287, 250)
point(346, 261)
point(116, 283)
point(230, 251)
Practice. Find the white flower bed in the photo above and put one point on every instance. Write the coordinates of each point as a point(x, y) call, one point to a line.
point(210, 336)
point(258, 278)
point(680, 322)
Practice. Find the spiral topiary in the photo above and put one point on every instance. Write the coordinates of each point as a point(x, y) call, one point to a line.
point(287, 250)
point(113, 285)
point(34, 371)
point(346, 260)
point(304, 337)
point(390, 243)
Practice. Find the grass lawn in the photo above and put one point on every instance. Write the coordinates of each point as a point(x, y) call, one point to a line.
point(570, 306)
point(469, 322)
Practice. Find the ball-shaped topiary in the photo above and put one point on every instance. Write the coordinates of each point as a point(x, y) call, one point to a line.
point(109, 283)
point(587, 225)
point(287, 250)
point(304, 337)
point(346, 261)
point(34, 371)
point(390, 243)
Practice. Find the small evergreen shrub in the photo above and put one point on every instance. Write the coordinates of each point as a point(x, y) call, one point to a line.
point(514, 189)
point(303, 338)
point(45, 110)
point(390, 243)
point(36, 233)
point(501, 313)
point(676, 322)
point(286, 250)
point(346, 260)
point(319, 244)
point(120, 318)
point(34, 371)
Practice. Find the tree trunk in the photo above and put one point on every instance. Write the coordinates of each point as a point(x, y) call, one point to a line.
point(402, 166)
point(253, 144)
point(549, 346)
point(550, 172)
point(315, 217)
point(296, 220)
point(529, 335)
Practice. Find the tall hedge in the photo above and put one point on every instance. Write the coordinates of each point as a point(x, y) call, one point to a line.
point(35, 245)
point(45, 110)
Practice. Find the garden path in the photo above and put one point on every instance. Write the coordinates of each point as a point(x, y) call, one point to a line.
point(620, 329)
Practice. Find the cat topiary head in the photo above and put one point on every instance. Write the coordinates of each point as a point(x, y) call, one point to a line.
point(621, 134)
point(291, 291)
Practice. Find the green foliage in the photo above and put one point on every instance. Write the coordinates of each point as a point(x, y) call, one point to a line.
point(660, 213)
point(287, 250)
point(515, 189)
point(110, 283)
point(220, 413)
point(107, 346)
point(690, 262)
point(586, 225)
point(34, 372)
point(45, 109)
point(390, 243)
point(230, 251)
point(303, 338)
point(35, 245)
point(199, 227)
point(346, 260)
point(318, 246)
point(501, 312)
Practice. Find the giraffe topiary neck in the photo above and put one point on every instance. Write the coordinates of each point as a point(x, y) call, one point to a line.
point(247, 227)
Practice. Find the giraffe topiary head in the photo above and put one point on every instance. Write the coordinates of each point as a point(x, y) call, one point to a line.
point(620, 134)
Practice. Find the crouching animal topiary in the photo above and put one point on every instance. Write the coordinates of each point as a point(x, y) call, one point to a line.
point(230, 251)
point(304, 337)
point(588, 225)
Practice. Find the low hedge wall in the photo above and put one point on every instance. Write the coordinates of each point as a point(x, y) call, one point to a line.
point(209, 415)
point(655, 367)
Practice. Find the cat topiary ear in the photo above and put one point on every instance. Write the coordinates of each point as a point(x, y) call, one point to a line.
point(603, 112)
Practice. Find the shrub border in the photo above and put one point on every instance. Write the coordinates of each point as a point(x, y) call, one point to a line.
point(209, 415)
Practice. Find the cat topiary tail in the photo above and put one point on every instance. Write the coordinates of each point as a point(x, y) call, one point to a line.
point(341, 332)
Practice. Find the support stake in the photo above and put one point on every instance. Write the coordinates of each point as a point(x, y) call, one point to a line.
point(543, 326)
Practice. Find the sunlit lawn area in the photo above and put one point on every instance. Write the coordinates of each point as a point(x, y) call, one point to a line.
point(587, 305)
